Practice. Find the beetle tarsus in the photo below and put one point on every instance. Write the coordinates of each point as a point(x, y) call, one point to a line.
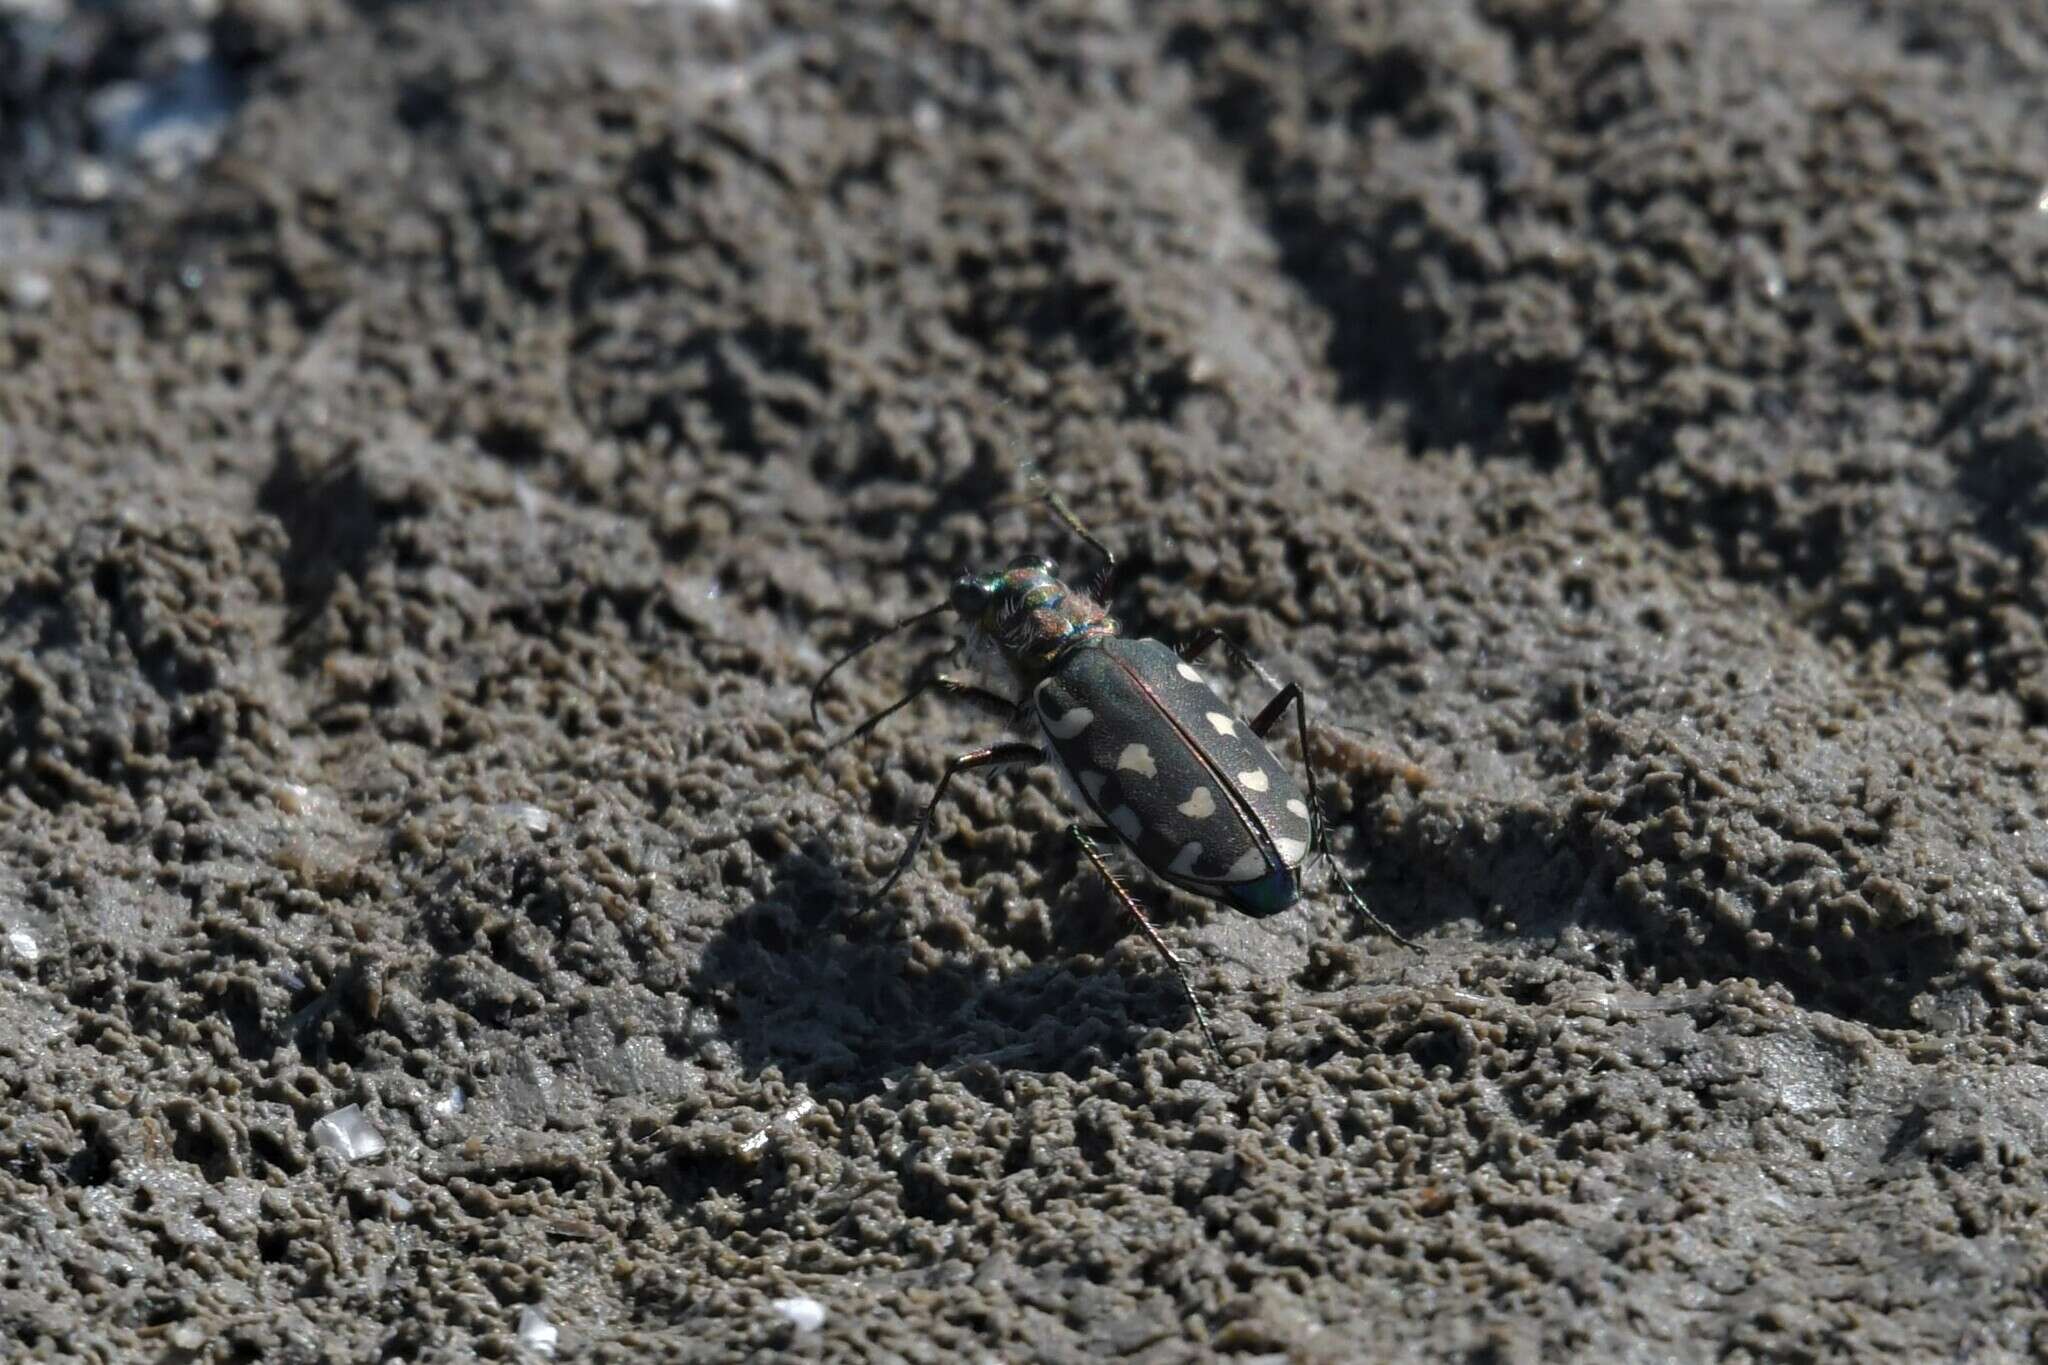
point(1358, 902)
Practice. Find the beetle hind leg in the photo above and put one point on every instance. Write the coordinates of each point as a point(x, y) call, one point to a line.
point(1358, 903)
point(1086, 840)
point(1291, 695)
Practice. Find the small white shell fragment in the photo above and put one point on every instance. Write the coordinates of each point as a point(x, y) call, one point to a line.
point(29, 289)
point(803, 1312)
point(756, 1141)
point(24, 945)
point(348, 1134)
point(536, 1333)
point(450, 1104)
point(524, 814)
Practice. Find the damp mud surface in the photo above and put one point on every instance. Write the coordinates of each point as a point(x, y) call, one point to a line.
point(443, 443)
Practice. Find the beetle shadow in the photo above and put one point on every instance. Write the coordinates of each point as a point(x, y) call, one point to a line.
point(837, 994)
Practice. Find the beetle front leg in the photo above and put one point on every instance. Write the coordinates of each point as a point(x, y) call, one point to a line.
point(1086, 838)
point(991, 703)
point(995, 755)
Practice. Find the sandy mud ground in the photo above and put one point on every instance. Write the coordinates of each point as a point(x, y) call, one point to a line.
point(443, 442)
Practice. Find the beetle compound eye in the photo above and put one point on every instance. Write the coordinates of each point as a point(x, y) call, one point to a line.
point(970, 596)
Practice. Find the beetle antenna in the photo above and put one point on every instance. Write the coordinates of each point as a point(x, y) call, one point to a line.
point(818, 687)
point(1058, 504)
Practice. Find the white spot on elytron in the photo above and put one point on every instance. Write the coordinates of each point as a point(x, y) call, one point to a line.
point(1290, 850)
point(1252, 864)
point(1224, 724)
point(1200, 805)
point(1094, 782)
point(1254, 780)
point(1183, 864)
point(1187, 670)
point(1298, 806)
point(1071, 724)
point(1127, 823)
point(1136, 758)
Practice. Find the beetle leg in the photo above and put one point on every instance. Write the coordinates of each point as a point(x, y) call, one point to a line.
point(1086, 839)
point(818, 687)
point(1201, 644)
point(1290, 695)
point(994, 703)
point(995, 755)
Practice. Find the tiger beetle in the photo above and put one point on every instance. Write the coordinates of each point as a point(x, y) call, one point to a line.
point(1160, 763)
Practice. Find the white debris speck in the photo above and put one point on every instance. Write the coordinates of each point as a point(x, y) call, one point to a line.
point(525, 815)
point(24, 945)
point(91, 180)
point(757, 1141)
point(450, 1104)
point(397, 1204)
point(348, 1134)
point(803, 1312)
point(528, 498)
point(536, 1333)
point(29, 289)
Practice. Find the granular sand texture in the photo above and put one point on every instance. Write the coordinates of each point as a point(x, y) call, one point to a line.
point(443, 443)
